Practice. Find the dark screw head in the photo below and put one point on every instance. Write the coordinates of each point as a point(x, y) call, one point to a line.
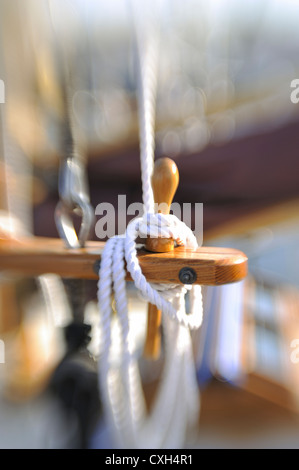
point(96, 266)
point(187, 276)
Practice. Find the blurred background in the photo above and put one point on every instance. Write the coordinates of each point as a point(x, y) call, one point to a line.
point(224, 114)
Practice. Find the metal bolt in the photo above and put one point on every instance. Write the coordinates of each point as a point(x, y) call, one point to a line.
point(187, 276)
point(96, 266)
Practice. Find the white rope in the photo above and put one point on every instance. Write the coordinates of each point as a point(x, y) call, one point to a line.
point(176, 406)
point(147, 39)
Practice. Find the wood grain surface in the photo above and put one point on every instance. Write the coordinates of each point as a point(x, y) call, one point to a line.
point(38, 255)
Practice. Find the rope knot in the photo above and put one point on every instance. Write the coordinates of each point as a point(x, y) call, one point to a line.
point(166, 226)
point(163, 295)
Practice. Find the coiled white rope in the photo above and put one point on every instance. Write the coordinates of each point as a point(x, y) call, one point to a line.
point(176, 406)
point(177, 403)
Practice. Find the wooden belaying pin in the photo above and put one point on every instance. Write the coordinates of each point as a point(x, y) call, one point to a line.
point(165, 181)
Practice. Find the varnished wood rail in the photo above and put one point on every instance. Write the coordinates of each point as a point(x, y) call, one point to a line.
point(35, 256)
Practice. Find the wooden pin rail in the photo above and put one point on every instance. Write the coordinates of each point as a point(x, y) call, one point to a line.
point(207, 265)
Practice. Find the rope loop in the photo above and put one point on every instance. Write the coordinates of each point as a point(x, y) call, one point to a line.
point(120, 381)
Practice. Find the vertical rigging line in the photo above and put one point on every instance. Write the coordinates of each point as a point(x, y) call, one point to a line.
point(146, 35)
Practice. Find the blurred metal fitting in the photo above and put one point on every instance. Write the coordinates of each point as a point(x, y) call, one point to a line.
point(74, 199)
